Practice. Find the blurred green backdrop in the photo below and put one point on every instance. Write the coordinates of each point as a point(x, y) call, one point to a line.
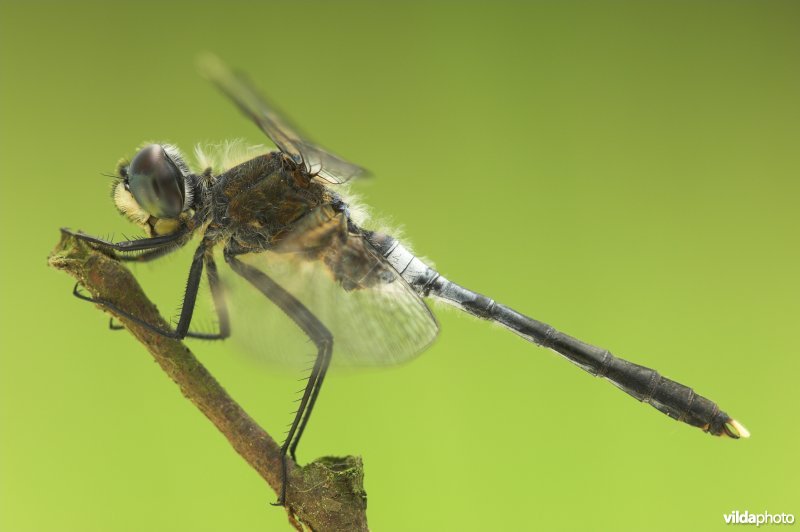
point(631, 176)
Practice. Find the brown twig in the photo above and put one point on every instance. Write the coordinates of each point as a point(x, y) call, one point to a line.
point(327, 494)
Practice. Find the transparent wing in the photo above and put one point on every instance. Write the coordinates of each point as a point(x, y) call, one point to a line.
point(376, 319)
point(316, 160)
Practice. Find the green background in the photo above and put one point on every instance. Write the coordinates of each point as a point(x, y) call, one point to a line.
point(627, 172)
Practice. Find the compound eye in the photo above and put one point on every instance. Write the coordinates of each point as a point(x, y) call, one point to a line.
point(156, 182)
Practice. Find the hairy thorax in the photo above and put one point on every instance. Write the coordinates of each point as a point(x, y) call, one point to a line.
point(259, 201)
point(267, 204)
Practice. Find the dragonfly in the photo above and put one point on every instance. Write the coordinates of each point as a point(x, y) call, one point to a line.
point(289, 235)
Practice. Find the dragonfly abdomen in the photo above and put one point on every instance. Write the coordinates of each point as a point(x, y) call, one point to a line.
point(414, 271)
point(647, 385)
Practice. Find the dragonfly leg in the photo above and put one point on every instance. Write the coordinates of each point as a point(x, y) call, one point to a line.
point(311, 401)
point(315, 330)
point(153, 247)
point(149, 255)
point(187, 308)
point(220, 306)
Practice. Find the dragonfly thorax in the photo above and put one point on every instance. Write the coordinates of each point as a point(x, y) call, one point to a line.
point(255, 202)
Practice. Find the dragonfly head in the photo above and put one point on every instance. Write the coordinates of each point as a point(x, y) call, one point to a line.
point(153, 189)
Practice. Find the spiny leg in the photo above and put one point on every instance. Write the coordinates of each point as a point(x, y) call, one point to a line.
point(149, 255)
point(315, 330)
point(157, 243)
point(220, 306)
point(187, 308)
point(313, 399)
point(146, 249)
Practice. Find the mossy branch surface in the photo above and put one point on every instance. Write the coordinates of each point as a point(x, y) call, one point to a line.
point(327, 494)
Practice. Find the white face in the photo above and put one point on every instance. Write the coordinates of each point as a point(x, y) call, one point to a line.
point(127, 205)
